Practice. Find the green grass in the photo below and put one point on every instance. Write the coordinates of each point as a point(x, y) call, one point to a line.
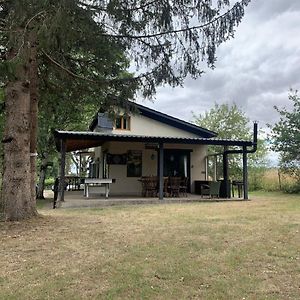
point(225, 250)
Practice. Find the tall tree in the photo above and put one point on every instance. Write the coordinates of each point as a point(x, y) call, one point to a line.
point(167, 41)
point(230, 122)
point(285, 137)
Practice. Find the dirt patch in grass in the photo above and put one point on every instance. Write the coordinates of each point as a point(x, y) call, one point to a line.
point(226, 250)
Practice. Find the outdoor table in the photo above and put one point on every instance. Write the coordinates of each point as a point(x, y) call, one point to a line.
point(93, 184)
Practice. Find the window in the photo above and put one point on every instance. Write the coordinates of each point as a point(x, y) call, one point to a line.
point(122, 122)
point(134, 163)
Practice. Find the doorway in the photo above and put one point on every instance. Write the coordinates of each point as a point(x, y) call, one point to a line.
point(177, 163)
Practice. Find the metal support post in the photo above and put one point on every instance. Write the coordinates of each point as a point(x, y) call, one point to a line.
point(161, 171)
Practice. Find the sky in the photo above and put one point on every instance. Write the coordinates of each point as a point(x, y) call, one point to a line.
point(256, 69)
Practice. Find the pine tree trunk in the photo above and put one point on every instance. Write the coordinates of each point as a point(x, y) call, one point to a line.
point(17, 200)
point(33, 77)
point(42, 177)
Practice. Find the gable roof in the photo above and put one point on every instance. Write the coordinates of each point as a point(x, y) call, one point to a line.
point(166, 119)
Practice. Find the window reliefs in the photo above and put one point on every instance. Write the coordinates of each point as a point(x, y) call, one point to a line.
point(122, 122)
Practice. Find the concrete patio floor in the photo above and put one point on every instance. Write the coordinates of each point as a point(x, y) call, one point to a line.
point(75, 199)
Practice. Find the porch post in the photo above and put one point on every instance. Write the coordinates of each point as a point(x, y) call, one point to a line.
point(79, 165)
point(61, 187)
point(161, 171)
point(225, 164)
point(225, 173)
point(245, 173)
point(215, 167)
point(206, 167)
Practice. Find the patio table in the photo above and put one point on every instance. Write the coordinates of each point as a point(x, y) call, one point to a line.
point(92, 185)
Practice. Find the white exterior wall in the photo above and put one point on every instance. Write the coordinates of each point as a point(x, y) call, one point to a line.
point(141, 125)
point(130, 185)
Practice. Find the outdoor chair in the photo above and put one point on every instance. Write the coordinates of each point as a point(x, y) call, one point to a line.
point(239, 184)
point(174, 186)
point(166, 184)
point(212, 189)
point(149, 186)
point(183, 186)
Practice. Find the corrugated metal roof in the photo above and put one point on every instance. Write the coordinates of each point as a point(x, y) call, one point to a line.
point(88, 135)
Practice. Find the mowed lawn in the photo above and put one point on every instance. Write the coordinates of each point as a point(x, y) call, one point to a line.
point(219, 250)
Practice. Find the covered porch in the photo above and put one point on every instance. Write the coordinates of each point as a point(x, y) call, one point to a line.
point(75, 199)
point(70, 141)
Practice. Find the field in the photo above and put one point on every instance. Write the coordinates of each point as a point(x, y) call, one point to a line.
point(220, 250)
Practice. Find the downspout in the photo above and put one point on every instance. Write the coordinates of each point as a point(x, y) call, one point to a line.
point(254, 143)
point(245, 151)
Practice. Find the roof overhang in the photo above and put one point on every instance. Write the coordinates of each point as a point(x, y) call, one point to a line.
point(78, 140)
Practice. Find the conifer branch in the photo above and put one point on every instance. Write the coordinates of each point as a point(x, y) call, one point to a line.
point(56, 63)
point(24, 32)
point(163, 33)
point(104, 9)
point(99, 81)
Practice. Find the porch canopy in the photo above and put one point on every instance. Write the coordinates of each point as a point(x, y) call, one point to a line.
point(78, 140)
point(68, 141)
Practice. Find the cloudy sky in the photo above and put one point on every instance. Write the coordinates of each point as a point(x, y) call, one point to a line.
point(255, 70)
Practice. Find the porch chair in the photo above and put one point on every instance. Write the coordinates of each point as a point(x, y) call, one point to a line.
point(174, 186)
point(183, 186)
point(212, 189)
point(149, 186)
point(166, 185)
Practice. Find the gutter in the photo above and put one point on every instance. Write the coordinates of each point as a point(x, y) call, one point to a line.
point(244, 151)
point(254, 144)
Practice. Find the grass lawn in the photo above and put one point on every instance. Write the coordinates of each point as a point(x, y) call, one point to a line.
point(224, 250)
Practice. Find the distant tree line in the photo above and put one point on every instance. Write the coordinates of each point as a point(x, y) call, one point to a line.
point(229, 121)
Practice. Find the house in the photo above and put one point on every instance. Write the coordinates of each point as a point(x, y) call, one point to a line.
point(145, 142)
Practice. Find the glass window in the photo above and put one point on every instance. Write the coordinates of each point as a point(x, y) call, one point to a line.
point(118, 122)
point(122, 122)
point(134, 163)
point(125, 123)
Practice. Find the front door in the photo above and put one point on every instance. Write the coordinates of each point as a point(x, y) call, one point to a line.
point(177, 163)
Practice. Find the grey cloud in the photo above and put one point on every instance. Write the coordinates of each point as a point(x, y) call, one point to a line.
point(255, 70)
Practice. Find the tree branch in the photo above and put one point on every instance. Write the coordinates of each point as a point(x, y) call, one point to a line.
point(176, 30)
point(24, 32)
point(101, 81)
point(98, 8)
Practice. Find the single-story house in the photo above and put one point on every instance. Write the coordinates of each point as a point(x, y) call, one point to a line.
point(144, 142)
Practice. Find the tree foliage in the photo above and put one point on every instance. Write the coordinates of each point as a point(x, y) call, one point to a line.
point(286, 137)
point(230, 122)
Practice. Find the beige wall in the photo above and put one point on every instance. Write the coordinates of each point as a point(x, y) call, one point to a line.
point(141, 125)
point(130, 185)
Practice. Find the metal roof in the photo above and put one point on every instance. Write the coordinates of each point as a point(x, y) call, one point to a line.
point(86, 139)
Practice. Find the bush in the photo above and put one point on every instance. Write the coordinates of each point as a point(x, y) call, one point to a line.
point(270, 180)
point(291, 188)
point(255, 179)
point(49, 182)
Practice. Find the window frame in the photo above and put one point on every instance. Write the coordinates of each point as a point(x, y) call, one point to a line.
point(127, 122)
